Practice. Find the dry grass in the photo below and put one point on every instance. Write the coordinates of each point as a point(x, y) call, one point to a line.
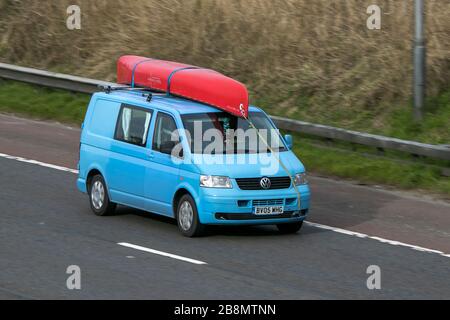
point(314, 55)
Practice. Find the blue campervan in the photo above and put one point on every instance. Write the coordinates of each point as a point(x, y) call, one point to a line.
point(127, 158)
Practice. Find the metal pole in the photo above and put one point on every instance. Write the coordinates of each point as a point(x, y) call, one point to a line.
point(419, 60)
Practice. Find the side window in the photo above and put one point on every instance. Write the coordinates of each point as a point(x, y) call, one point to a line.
point(162, 138)
point(132, 125)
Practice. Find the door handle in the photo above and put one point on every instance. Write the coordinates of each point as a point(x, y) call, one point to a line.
point(151, 155)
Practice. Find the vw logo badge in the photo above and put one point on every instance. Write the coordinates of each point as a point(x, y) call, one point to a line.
point(265, 183)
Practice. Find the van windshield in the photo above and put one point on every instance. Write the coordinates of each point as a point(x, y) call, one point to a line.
point(223, 133)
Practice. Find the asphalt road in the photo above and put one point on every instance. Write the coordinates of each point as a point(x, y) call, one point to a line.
point(46, 225)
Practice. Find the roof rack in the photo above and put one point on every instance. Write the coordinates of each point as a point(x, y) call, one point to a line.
point(147, 91)
point(108, 88)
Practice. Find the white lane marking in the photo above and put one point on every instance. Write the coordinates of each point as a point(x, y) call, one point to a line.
point(382, 240)
point(42, 164)
point(317, 225)
point(161, 253)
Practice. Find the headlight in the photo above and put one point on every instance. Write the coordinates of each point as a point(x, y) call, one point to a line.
point(300, 178)
point(215, 182)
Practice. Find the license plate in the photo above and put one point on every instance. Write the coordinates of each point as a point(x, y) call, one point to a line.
point(269, 210)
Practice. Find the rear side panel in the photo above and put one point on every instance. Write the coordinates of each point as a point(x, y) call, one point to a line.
point(96, 137)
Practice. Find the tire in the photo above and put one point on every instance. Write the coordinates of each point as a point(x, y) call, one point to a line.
point(287, 228)
point(187, 218)
point(99, 198)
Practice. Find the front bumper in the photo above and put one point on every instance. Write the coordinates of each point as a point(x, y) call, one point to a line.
point(235, 206)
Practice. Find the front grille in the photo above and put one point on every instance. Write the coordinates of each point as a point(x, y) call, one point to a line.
point(254, 183)
point(268, 202)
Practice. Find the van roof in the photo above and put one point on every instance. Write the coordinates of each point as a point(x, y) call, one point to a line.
point(162, 101)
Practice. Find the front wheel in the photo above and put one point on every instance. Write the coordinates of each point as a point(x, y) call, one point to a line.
point(290, 227)
point(187, 217)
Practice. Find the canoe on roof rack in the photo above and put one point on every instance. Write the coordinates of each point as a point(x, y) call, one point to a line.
point(202, 85)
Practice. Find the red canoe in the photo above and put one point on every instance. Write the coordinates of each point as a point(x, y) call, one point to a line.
point(198, 84)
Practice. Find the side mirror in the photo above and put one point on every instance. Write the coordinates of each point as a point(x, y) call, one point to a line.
point(289, 141)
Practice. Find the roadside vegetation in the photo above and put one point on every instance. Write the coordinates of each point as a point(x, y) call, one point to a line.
point(320, 156)
point(42, 103)
point(310, 60)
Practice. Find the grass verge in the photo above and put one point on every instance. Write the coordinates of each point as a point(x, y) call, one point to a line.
point(337, 159)
point(42, 103)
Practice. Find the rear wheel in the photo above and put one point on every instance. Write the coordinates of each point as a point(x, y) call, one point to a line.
point(99, 199)
point(290, 227)
point(187, 217)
